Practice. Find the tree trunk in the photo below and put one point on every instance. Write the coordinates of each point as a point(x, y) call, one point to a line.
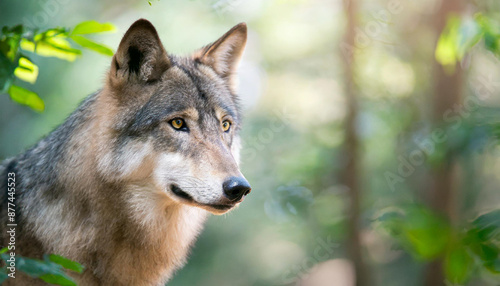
point(351, 176)
point(447, 93)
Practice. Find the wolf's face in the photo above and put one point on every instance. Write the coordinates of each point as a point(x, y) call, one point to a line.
point(175, 121)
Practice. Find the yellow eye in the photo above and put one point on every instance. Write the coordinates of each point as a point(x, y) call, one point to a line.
point(226, 125)
point(177, 123)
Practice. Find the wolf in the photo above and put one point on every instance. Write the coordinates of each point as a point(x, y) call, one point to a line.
point(124, 185)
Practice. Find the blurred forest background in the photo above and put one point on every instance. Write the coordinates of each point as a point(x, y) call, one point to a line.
point(370, 137)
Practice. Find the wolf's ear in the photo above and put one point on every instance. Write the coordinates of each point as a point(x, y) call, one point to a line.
point(141, 57)
point(224, 54)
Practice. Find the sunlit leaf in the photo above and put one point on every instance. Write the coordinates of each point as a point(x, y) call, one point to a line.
point(458, 265)
point(27, 45)
point(86, 43)
point(427, 233)
point(26, 97)
point(446, 50)
point(52, 47)
point(26, 70)
point(90, 27)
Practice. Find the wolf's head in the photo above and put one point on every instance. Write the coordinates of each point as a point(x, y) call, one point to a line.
point(174, 121)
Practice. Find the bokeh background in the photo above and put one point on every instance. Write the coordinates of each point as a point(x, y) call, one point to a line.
point(369, 159)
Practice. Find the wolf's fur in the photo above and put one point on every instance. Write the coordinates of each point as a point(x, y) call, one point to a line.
point(100, 189)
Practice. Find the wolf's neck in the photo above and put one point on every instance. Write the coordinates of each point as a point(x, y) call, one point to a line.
point(159, 231)
point(155, 214)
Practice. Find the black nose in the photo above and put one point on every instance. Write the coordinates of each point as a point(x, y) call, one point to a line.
point(235, 188)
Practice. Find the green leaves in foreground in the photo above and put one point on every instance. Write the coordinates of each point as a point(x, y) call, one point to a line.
point(55, 42)
point(26, 97)
point(86, 43)
point(53, 269)
point(92, 27)
point(464, 250)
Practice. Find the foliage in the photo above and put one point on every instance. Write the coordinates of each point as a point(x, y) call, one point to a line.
point(427, 236)
point(460, 35)
point(52, 269)
point(15, 63)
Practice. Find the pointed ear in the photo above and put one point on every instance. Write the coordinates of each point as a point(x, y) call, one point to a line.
point(141, 57)
point(224, 54)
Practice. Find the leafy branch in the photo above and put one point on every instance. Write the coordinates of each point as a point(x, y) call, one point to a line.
point(52, 269)
point(18, 41)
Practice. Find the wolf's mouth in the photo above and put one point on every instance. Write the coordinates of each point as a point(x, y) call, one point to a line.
point(189, 199)
point(180, 193)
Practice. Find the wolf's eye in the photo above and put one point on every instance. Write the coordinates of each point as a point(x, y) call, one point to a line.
point(226, 125)
point(178, 123)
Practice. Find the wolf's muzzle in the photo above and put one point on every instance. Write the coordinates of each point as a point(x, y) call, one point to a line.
point(235, 188)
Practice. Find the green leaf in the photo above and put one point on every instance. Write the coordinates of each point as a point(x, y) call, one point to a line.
point(34, 268)
point(17, 29)
point(58, 279)
point(488, 225)
point(4, 47)
point(27, 45)
point(3, 276)
point(26, 97)
point(26, 70)
point(47, 271)
point(427, 233)
point(3, 250)
point(9, 45)
point(493, 266)
point(417, 229)
point(458, 265)
point(65, 262)
point(6, 73)
point(52, 47)
point(446, 50)
point(90, 27)
point(86, 43)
